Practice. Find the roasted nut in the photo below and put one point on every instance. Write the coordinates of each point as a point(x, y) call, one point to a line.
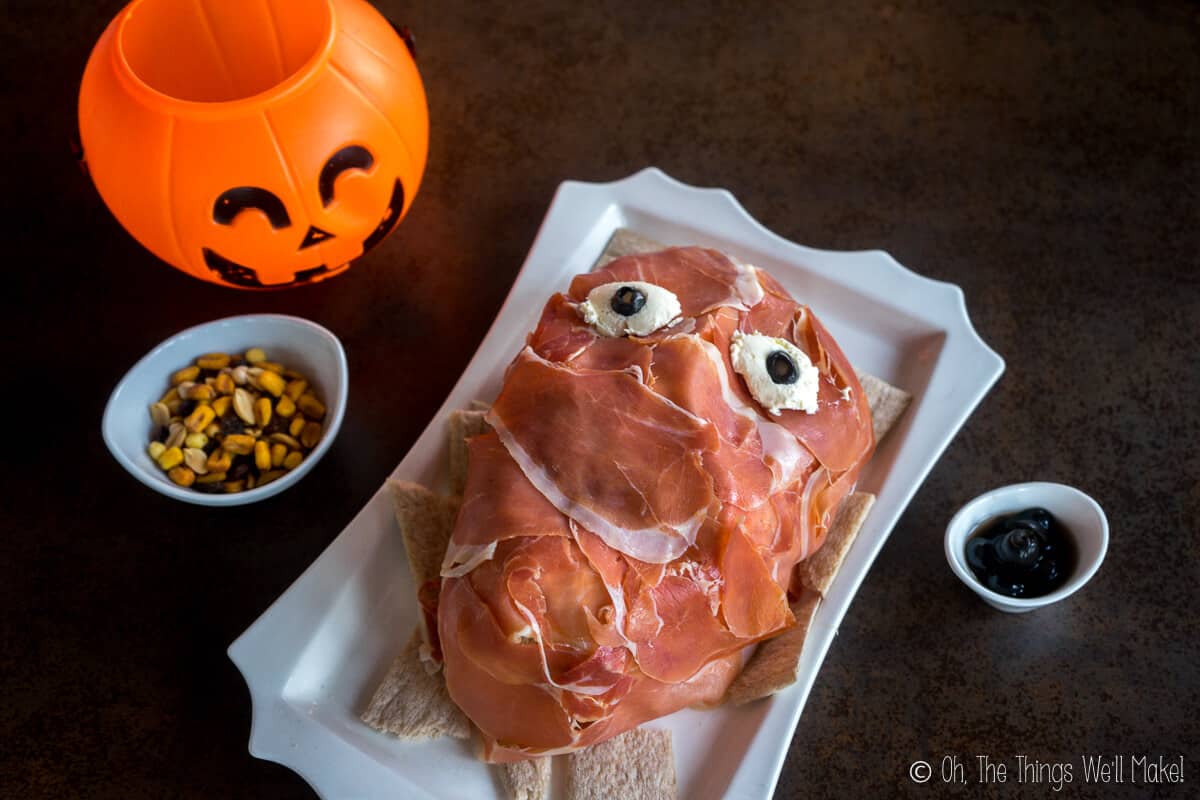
point(296, 388)
point(170, 457)
point(198, 420)
point(270, 475)
point(182, 476)
point(238, 443)
point(221, 405)
point(243, 405)
point(200, 391)
point(196, 460)
point(310, 435)
point(271, 382)
point(213, 361)
point(311, 406)
point(219, 460)
point(284, 407)
point(160, 414)
point(176, 433)
point(262, 455)
point(262, 411)
point(283, 438)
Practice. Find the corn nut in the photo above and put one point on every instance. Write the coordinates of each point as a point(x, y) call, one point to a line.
point(230, 423)
point(182, 476)
point(214, 361)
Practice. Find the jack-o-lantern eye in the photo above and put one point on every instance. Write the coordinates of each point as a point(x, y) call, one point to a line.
point(234, 201)
point(350, 157)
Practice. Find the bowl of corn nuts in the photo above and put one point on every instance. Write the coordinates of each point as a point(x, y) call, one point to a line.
point(229, 412)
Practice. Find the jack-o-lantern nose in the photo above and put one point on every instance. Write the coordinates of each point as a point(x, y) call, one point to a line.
point(314, 236)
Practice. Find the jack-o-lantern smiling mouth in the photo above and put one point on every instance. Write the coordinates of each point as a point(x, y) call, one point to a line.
point(234, 201)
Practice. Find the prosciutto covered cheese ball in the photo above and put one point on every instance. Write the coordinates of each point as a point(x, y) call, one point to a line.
point(670, 443)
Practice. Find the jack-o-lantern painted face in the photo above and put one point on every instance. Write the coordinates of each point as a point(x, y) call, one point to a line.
point(335, 255)
point(263, 164)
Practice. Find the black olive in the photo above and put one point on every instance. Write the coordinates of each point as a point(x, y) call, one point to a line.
point(628, 301)
point(1021, 546)
point(1026, 554)
point(781, 368)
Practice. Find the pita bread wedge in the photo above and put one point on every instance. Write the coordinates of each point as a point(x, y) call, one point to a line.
point(526, 780)
point(775, 665)
point(637, 765)
point(625, 242)
point(887, 403)
point(818, 570)
point(463, 425)
point(426, 521)
point(413, 704)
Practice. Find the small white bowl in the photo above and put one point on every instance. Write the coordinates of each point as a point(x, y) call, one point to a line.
point(298, 343)
point(1079, 514)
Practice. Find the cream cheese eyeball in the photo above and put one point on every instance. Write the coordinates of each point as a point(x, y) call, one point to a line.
point(778, 374)
point(636, 307)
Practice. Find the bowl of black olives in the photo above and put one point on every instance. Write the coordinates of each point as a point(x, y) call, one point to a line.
point(1028, 545)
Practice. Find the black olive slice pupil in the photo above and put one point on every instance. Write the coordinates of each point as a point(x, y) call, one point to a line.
point(628, 301)
point(781, 368)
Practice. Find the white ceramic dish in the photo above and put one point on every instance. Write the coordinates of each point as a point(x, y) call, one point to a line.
point(296, 342)
point(313, 659)
point(1079, 514)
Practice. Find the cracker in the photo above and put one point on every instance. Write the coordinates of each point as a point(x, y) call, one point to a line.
point(637, 765)
point(463, 425)
point(411, 703)
point(775, 665)
point(526, 780)
point(426, 521)
point(887, 403)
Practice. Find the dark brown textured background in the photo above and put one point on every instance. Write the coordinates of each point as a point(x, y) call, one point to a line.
point(1041, 156)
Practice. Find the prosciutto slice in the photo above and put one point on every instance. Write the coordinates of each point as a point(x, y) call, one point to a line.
point(613, 455)
point(634, 521)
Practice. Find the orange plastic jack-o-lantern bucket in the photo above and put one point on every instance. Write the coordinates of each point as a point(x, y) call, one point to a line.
point(255, 144)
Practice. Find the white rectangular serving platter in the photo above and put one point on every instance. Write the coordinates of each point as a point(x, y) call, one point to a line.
point(313, 659)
